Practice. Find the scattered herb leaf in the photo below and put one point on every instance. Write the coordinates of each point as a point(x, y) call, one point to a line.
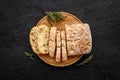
point(30, 55)
point(54, 17)
point(86, 60)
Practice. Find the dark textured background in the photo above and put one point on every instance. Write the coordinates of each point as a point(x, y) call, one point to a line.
point(17, 17)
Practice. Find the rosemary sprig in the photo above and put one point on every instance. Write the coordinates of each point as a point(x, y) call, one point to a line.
point(30, 55)
point(54, 17)
point(86, 60)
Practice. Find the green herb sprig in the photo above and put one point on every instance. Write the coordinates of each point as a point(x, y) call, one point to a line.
point(30, 55)
point(54, 17)
point(86, 60)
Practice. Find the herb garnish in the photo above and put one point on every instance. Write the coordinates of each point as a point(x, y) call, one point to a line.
point(30, 55)
point(86, 60)
point(54, 17)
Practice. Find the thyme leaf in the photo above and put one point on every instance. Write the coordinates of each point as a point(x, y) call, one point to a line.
point(54, 17)
point(86, 60)
point(30, 55)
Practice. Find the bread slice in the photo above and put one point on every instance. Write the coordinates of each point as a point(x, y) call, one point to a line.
point(64, 50)
point(58, 49)
point(52, 41)
point(33, 37)
point(42, 39)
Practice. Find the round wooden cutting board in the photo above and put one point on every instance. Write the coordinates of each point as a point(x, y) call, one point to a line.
point(71, 19)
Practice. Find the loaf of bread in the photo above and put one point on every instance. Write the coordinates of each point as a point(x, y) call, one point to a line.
point(74, 40)
point(79, 39)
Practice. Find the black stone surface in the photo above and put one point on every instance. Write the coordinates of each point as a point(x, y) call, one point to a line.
point(17, 17)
